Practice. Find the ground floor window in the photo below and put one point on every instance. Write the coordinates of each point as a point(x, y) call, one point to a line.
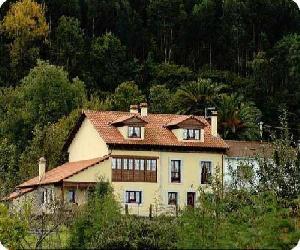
point(134, 197)
point(71, 196)
point(172, 198)
point(47, 196)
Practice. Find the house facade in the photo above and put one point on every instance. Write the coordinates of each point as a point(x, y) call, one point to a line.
point(247, 153)
point(151, 160)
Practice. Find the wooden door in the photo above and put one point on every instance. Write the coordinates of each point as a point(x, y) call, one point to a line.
point(191, 199)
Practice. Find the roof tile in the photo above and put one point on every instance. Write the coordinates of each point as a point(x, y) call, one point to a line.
point(156, 132)
point(62, 172)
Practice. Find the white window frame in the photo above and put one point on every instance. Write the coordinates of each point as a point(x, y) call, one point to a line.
point(130, 132)
point(186, 131)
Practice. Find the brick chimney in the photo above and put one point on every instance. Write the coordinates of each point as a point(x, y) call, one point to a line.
point(144, 109)
point(134, 109)
point(42, 168)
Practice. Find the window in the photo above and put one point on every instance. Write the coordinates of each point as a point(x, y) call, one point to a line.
point(205, 172)
point(191, 134)
point(44, 197)
point(71, 196)
point(176, 171)
point(151, 165)
point(134, 197)
point(47, 196)
point(139, 164)
point(134, 132)
point(134, 169)
point(172, 198)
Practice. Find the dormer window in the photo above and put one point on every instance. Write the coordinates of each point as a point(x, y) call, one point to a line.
point(191, 134)
point(134, 132)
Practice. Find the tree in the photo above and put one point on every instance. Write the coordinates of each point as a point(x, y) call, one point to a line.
point(194, 97)
point(43, 97)
point(206, 15)
point(25, 23)
point(13, 229)
point(171, 75)
point(281, 173)
point(97, 223)
point(8, 167)
point(166, 19)
point(237, 218)
point(68, 45)
point(161, 99)
point(238, 118)
point(108, 63)
point(47, 141)
point(126, 94)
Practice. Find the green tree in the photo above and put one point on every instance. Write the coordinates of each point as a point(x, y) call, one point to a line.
point(68, 45)
point(281, 173)
point(97, 223)
point(235, 219)
point(43, 97)
point(238, 119)
point(126, 94)
point(171, 75)
point(13, 229)
point(165, 20)
point(161, 99)
point(47, 141)
point(8, 167)
point(194, 97)
point(108, 65)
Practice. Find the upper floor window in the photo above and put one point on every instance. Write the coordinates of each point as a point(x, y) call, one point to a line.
point(176, 171)
point(172, 198)
point(191, 134)
point(134, 169)
point(134, 197)
point(206, 169)
point(134, 132)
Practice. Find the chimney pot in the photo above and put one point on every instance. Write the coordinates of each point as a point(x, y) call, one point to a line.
point(42, 168)
point(134, 109)
point(144, 109)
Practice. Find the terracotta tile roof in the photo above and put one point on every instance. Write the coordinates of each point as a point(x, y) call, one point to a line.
point(156, 132)
point(180, 119)
point(17, 193)
point(248, 148)
point(126, 118)
point(62, 172)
